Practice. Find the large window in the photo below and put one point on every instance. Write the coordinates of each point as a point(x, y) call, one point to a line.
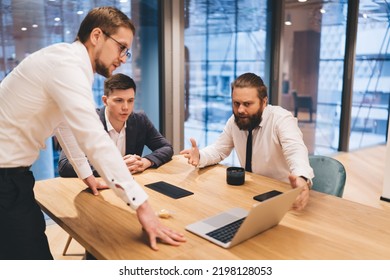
point(313, 67)
point(223, 39)
point(371, 88)
point(314, 49)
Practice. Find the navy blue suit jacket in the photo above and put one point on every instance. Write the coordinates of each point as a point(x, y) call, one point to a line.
point(140, 132)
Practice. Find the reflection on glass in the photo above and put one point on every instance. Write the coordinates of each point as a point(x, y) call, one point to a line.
point(314, 46)
point(314, 51)
point(371, 89)
point(222, 41)
point(332, 53)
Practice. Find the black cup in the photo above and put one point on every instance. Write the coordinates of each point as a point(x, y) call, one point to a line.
point(235, 176)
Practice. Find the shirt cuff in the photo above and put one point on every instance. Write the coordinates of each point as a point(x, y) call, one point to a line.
point(83, 171)
point(309, 182)
point(202, 163)
point(131, 193)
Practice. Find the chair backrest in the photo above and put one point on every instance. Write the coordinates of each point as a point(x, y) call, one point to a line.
point(330, 175)
point(295, 95)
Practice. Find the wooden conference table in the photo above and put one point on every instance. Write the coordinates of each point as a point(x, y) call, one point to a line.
point(328, 228)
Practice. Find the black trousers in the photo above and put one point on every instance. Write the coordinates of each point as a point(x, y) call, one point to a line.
point(22, 224)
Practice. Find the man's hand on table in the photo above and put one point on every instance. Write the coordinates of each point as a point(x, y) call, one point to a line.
point(94, 184)
point(155, 229)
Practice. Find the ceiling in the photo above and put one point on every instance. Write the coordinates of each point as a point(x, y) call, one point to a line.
point(220, 15)
point(37, 23)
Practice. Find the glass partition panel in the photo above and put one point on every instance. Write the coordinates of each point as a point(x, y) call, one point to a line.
point(312, 70)
point(371, 88)
point(223, 39)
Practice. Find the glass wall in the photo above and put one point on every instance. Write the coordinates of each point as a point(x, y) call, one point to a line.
point(313, 61)
point(223, 39)
point(313, 66)
point(331, 75)
point(371, 88)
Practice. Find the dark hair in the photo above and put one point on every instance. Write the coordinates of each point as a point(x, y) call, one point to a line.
point(118, 81)
point(250, 80)
point(109, 19)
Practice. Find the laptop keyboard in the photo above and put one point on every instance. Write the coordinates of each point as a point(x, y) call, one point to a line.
point(226, 233)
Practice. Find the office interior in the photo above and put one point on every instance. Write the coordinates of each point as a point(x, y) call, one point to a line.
point(334, 54)
point(328, 62)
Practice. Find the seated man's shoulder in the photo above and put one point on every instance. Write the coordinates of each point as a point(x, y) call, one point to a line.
point(139, 115)
point(278, 111)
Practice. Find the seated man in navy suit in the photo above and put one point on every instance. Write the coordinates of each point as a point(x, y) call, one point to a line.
point(130, 131)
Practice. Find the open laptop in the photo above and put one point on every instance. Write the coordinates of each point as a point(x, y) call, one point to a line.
point(236, 225)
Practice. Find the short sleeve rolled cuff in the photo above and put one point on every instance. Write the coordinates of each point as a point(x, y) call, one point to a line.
point(131, 193)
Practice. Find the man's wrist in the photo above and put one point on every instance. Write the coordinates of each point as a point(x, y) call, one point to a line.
point(149, 162)
point(308, 181)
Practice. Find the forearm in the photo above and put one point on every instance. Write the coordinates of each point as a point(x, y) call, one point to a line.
point(160, 156)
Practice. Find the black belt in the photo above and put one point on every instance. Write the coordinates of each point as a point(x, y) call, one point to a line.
point(14, 170)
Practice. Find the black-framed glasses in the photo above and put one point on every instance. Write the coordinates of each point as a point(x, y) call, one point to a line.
point(124, 50)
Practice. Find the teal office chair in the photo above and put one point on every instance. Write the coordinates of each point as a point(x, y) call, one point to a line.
point(330, 175)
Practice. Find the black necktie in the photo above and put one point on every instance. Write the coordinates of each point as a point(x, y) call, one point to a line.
point(248, 164)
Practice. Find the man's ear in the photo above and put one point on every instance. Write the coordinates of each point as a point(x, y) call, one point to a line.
point(94, 36)
point(104, 99)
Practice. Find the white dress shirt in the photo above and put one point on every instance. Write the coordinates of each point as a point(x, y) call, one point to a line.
point(277, 150)
point(50, 91)
point(119, 138)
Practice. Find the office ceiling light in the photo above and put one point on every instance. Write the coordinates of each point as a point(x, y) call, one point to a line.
point(57, 19)
point(322, 11)
point(302, 1)
point(23, 28)
point(288, 20)
point(34, 25)
point(80, 12)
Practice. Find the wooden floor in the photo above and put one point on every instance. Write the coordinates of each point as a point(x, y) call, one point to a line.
point(365, 170)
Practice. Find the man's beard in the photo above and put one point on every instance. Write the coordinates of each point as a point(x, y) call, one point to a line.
point(102, 69)
point(248, 123)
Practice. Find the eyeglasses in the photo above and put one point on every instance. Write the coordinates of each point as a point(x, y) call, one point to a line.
point(124, 50)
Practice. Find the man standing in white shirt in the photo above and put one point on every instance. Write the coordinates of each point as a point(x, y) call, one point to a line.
point(276, 148)
point(50, 92)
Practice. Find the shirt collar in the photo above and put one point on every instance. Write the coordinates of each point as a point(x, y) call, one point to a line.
point(264, 116)
point(108, 123)
point(83, 49)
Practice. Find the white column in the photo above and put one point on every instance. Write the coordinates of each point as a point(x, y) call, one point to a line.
point(173, 72)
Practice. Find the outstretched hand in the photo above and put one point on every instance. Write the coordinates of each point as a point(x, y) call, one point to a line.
point(94, 184)
point(303, 197)
point(192, 154)
point(155, 229)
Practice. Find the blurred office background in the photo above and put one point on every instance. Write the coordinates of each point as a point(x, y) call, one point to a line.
point(335, 55)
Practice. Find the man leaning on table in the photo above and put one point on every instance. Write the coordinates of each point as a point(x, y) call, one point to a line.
point(267, 139)
point(50, 91)
point(131, 131)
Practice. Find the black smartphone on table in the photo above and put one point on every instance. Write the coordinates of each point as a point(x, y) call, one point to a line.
point(267, 195)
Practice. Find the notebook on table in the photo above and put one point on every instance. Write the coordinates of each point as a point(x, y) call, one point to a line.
point(236, 225)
